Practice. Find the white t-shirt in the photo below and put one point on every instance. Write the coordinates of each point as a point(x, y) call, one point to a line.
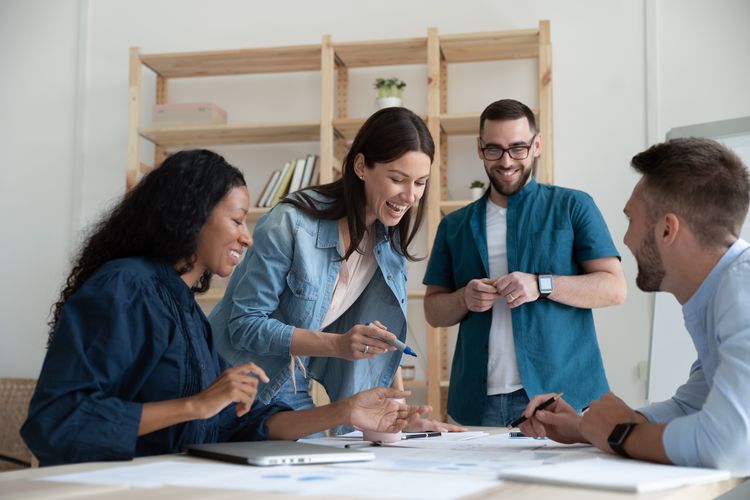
point(502, 368)
point(354, 275)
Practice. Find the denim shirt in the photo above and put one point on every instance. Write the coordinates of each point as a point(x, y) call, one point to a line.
point(550, 230)
point(285, 281)
point(131, 334)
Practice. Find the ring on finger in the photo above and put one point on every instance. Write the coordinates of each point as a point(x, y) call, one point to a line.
point(511, 297)
point(367, 348)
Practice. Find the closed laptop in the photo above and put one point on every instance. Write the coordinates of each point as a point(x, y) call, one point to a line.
point(277, 453)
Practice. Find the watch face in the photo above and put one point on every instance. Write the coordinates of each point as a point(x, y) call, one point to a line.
point(619, 433)
point(545, 284)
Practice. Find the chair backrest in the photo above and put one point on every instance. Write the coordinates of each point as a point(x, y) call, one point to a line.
point(15, 394)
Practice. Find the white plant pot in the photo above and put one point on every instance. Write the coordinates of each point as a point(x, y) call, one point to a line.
point(476, 193)
point(387, 102)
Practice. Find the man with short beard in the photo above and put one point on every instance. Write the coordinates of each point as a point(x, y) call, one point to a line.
point(521, 269)
point(685, 217)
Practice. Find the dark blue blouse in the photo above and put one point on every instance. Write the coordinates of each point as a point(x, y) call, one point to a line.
point(131, 334)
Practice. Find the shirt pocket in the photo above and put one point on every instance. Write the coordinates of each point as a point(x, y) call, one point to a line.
point(552, 252)
point(301, 288)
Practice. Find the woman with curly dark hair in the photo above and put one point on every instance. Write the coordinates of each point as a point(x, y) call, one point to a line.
point(131, 367)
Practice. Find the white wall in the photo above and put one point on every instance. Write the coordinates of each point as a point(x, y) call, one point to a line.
point(38, 40)
point(600, 114)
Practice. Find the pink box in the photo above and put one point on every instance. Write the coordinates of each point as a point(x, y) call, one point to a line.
point(188, 114)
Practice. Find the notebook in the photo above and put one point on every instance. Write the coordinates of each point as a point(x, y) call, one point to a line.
point(614, 473)
point(277, 453)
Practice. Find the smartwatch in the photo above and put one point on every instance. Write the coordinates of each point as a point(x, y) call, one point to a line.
point(620, 433)
point(544, 282)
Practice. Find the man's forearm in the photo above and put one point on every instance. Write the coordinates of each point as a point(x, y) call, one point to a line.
point(589, 291)
point(445, 308)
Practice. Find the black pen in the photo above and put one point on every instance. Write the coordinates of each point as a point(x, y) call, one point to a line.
point(422, 435)
point(542, 406)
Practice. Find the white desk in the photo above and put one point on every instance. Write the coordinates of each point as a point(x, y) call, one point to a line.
point(22, 485)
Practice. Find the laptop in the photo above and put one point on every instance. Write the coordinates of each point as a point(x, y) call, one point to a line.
point(277, 453)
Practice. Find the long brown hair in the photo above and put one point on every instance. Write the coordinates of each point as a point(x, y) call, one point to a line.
point(386, 136)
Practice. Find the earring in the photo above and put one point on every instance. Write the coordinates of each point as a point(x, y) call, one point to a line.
point(361, 177)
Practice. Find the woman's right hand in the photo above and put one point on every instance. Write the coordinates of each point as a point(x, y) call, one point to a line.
point(236, 385)
point(363, 342)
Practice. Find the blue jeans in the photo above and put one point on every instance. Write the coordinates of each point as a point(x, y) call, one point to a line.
point(501, 409)
point(300, 400)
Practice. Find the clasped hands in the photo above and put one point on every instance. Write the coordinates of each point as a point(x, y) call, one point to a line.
point(515, 288)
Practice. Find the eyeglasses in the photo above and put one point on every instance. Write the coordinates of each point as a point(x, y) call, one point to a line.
point(516, 152)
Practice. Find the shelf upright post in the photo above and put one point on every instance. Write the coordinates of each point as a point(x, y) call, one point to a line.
point(545, 174)
point(134, 118)
point(327, 79)
point(162, 96)
point(434, 355)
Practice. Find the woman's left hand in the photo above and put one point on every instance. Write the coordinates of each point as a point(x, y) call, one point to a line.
point(428, 424)
point(378, 410)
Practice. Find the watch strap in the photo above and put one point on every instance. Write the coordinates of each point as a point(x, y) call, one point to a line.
point(618, 436)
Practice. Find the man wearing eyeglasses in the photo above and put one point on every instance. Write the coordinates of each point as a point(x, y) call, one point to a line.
point(520, 270)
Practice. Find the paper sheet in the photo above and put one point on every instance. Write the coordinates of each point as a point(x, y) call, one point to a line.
point(301, 480)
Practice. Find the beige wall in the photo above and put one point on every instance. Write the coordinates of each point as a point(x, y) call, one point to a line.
point(66, 167)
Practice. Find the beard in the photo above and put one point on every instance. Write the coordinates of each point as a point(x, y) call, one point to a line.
point(513, 188)
point(650, 266)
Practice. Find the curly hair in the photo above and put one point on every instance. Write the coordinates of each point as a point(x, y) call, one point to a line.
point(159, 218)
point(385, 136)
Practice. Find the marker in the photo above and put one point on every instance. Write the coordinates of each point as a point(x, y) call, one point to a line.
point(395, 343)
point(542, 406)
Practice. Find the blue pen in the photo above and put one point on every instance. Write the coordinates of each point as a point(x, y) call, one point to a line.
point(395, 343)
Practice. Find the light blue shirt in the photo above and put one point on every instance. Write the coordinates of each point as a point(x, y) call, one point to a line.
point(285, 281)
point(709, 416)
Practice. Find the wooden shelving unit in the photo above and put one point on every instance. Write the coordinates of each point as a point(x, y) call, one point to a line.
point(336, 128)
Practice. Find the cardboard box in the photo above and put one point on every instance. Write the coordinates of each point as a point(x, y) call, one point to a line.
point(188, 114)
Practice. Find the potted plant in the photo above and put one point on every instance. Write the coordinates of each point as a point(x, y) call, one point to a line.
point(477, 189)
point(389, 92)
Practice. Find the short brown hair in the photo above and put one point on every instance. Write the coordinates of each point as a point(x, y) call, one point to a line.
point(700, 180)
point(507, 109)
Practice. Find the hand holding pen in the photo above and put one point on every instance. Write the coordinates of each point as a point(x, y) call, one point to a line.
point(394, 341)
point(557, 420)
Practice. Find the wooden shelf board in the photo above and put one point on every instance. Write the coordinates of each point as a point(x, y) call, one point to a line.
point(233, 134)
point(255, 213)
point(235, 62)
point(449, 206)
point(490, 46)
point(347, 128)
point(414, 384)
point(383, 53)
point(460, 123)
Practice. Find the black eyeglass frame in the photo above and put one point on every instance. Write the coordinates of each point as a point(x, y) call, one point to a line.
point(508, 150)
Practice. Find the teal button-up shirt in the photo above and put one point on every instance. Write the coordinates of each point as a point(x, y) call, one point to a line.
point(551, 230)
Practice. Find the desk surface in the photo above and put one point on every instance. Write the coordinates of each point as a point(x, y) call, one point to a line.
point(22, 484)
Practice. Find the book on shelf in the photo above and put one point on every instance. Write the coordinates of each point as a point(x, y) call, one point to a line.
point(270, 184)
point(299, 170)
point(284, 181)
point(275, 186)
point(312, 172)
